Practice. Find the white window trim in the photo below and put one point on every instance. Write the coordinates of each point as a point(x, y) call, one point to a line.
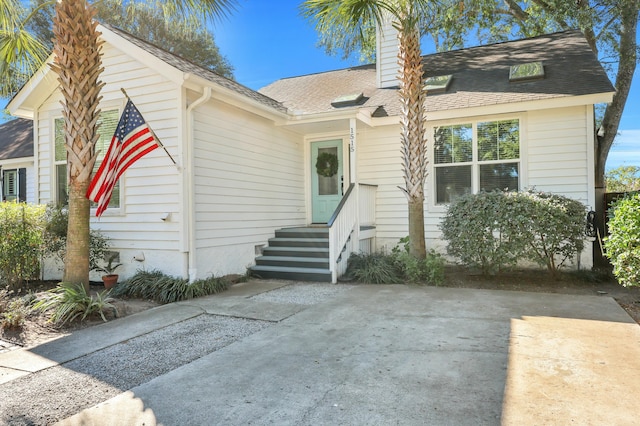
point(430, 182)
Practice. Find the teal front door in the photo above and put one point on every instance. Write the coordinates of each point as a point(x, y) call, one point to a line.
point(326, 179)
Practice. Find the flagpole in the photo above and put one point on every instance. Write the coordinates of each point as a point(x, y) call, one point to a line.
point(154, 134)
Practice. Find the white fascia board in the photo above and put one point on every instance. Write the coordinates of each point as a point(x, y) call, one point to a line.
point(319, 117)
point(234, 98)
point(23, 161)
point(35, 91)
point(161, 67)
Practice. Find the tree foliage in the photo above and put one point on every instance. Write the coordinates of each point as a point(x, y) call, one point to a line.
point(623, 179)
point(148, 20)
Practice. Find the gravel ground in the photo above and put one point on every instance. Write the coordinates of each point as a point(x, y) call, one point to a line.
point(56, 393)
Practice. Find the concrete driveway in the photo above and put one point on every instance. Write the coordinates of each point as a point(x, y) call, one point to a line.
point(383, 355)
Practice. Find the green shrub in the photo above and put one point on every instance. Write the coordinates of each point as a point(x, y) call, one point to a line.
point(376, 268)
point(551, 226)
point(21, 246)
point(493, 231)
point(162, 288)
point(478, 232)
point(68, 302)
point(623, 243)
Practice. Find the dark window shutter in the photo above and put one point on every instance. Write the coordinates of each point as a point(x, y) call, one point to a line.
point(22, 185)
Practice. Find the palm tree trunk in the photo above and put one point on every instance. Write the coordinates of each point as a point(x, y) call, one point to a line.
point(78, 64)
point(412, 97)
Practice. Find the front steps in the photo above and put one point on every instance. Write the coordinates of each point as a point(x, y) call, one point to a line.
point(300, 254)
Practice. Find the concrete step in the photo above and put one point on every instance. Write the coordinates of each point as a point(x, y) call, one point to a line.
point(289, 273)
point(296, 252)
point(303, 232)
point(299, 242)
point(293, 261)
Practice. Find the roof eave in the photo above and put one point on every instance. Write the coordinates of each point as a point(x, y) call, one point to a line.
point(34, 92)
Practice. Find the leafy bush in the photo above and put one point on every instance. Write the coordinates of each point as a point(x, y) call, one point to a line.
point(166, 289)
point(623, 243)
point(552, 227)
point(21, 247)
point(376, 268)
point(479, 232)
point(492, 231)
point(69, 302)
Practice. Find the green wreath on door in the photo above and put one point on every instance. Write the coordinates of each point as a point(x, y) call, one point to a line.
point(327, 164)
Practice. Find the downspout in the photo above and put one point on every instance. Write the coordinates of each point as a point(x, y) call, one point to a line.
point(191, 175)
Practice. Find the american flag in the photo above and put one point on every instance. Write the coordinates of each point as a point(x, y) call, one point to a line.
point(132, 139)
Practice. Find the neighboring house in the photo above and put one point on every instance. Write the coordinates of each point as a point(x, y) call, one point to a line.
point(16, 161)
point(248, 164)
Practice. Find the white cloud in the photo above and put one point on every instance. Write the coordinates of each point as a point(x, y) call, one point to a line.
point(625, 150)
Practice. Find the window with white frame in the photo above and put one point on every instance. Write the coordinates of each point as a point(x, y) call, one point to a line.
point(108, 122)
point(476, 156)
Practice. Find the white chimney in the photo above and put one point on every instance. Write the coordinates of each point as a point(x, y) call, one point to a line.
point(387, 55)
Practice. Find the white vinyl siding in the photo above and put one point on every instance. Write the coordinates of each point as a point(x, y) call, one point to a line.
point(249, 181)
point(558, 159)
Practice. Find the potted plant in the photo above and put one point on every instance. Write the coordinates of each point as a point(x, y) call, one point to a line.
point(109, 278)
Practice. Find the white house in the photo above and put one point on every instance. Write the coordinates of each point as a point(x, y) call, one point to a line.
point(516, 114)
point(16, 161)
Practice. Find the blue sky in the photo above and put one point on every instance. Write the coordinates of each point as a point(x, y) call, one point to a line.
point(269, 40)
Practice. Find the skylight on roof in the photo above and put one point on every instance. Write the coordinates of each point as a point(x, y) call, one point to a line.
point(437, 83)
point(528, 71)
point(347, 100)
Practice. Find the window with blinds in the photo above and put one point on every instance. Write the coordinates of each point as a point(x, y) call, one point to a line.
point(473, 157)
point(107, 122)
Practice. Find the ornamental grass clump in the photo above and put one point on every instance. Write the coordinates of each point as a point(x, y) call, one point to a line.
point(163, 288)
point(623, 243)
point(68, 302)
point(375, 268)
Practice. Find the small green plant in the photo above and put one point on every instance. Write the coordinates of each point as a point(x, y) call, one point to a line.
point(429, 270)
point(376, 268)
point(166, 289)
point(13, 313)
point(68, 302)
point(13, 318)
point(623, 243)
point(109, 268)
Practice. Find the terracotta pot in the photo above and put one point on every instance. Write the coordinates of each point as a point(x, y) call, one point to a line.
point(110, 280)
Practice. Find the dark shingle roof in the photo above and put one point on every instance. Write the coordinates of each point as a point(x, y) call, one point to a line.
point(480, 77)
point(189, 67)
point(16, 139)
